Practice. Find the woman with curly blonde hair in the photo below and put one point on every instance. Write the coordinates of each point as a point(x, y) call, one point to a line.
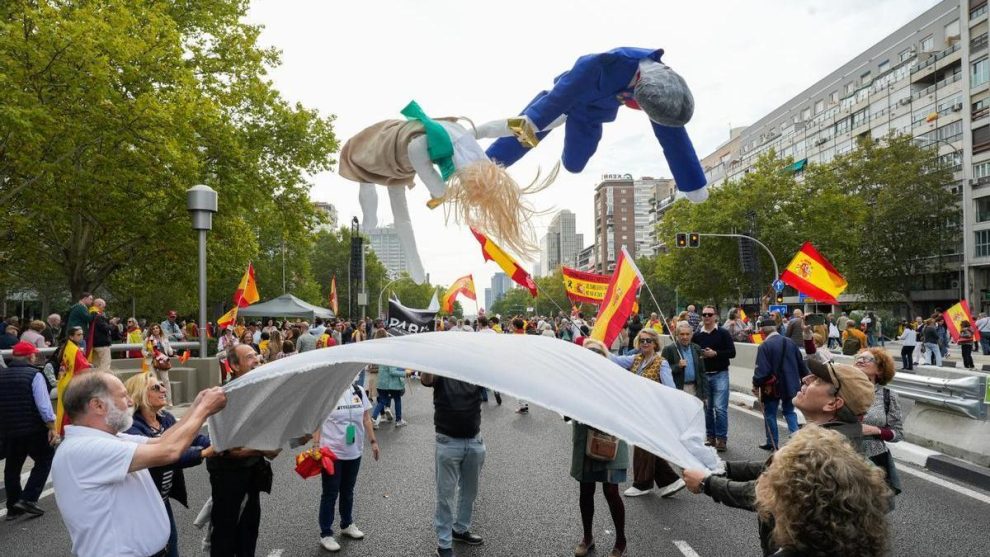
point(825, 498)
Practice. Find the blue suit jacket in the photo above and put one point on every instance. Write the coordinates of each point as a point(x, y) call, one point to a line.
point(589, 94)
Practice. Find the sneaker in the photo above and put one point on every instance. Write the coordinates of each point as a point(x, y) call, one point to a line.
point(634, 491)
point(710, 442)
point(498, 399)
point(444, 552)
point(766, 447)
point(401, 423)
point(389, 416)
point(29, 508)
point(467, 537)
point(523, 410)
point(13, 514)
point(375, 422)
point(720, 445)
point(329, 543)
point(670, 489)
point(352, 532)
point(582, 549)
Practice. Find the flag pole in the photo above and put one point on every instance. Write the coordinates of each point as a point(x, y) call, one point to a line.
point(659, 310)
point(552, 301)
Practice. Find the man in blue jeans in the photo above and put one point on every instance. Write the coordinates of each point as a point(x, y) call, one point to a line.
point(460, 454)
point(777, 379)
point(717, 349)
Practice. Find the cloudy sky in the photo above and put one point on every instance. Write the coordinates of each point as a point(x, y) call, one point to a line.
point(363, 61)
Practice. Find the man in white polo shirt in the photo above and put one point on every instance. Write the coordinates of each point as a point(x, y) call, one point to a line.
point(104, 492)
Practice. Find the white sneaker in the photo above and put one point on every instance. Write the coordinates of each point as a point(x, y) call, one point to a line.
point(401, 423)
point(375, 422)
point(329, 543)
point(389, 416)
point(352, 532)
point(634, 492)
point(670, 489)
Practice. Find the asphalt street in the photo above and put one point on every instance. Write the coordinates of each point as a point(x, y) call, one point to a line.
point(527, 504)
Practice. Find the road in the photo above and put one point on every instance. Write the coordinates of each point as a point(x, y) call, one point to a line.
point(528, 503)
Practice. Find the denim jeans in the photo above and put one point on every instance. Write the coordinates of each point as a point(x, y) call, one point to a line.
point(770, 417)
point(340, 483)
point(717, 408)
point(385, 397)
point(985, 343)
point(458, 467)
point(933, 352)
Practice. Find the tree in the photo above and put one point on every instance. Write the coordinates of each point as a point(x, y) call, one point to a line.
point(330, 256)
point(515, 302)
point(111, 110)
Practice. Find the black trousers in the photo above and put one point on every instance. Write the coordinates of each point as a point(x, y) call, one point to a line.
point(236, 512)
point(967, 354)
point(649, 469)
point(17, 449)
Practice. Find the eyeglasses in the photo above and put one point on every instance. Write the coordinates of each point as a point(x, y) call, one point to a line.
point(865, 359)
point(708, 315)
point(157, 387)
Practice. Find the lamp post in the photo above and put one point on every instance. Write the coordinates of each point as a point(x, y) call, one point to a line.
point(202, 203)
point(390, 283)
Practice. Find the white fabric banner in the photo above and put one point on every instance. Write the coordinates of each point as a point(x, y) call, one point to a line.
point(291, 397)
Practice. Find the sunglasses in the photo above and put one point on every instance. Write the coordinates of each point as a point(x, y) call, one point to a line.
point(646, 341)
point(157, 387)
point(708, 315)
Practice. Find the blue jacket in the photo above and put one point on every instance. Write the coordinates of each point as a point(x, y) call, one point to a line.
point(391, 378)
point(792, 366)
point(190, 457)
point(589, 94)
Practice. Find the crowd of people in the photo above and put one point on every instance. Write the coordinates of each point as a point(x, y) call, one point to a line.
point(125, 445)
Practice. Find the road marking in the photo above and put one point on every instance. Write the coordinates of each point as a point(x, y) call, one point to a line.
point(276, 553)
point(45, 493)
point(686, 548)
point(981, 497)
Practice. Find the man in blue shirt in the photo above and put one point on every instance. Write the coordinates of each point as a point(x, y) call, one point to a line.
point(27, 424)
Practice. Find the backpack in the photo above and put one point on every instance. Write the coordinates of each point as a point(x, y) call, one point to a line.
point(851, 346)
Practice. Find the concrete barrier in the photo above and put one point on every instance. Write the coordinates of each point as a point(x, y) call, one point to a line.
point(193, 376)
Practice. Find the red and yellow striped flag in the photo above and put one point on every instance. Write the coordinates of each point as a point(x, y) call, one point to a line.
point(492, 252)
point(247, 291)
point(463, 285)
point(620, 298)
point(812, 275)
point(954, 317)
point(228, 319)
point(584, 287)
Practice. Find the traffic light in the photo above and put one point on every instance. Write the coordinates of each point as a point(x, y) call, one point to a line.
point(780, 298)
point(681, 240)
point(694, 240)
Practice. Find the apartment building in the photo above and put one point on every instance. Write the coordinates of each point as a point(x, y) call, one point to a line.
point(625, 217)
point(387, 247)
point(561, 244)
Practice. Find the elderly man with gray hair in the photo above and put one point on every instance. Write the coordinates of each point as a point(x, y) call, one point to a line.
point(108, 501)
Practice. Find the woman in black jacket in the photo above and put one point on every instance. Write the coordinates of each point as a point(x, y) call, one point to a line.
point(151, 420)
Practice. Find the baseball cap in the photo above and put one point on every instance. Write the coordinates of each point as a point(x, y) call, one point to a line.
point(854, 387)
point(172, 313)
point(23, 349)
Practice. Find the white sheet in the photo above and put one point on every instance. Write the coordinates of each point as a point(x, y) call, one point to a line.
point(291, 397)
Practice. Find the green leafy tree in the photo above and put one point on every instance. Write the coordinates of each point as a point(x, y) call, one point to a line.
point(330, 256)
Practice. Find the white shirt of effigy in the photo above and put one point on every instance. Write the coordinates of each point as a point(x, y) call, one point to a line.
point(108, 511)
point(350, 410)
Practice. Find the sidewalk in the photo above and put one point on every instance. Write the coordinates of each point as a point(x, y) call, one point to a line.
point(954, 359)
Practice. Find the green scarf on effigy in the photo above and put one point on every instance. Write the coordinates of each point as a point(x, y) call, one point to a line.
point(438, 143)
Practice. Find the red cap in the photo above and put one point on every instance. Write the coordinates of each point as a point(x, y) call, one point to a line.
point(23, 349)
point(172, 313)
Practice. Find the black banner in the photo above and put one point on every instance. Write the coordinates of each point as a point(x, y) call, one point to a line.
point(406, 321)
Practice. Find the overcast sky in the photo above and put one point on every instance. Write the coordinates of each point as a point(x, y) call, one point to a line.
point(363, 61)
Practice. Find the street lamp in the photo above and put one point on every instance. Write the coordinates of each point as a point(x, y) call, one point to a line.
point(390, 283)
point(202, 203)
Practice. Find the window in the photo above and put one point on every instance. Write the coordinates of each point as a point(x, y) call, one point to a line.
point(982, 243)
point(983, 209)
point(806, 114)
point(850, 87)
point(978, 11)
point(819, 107)
point(842, 126)
point(952, 29)
point(865, 78)
point(905, 54)
point(834, 97)
point(928, 43)
point(981, 170)
point(980, 73)
point(884, 66)
point(859, 118)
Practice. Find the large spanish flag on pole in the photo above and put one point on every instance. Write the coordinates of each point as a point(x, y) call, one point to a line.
point(492, 252)
point(619, 299)
point(333, 295)
point(463, 285)
point(247, 291)
point(954, 317)
point(72, 363)
point(584, 287)
point(812, 275)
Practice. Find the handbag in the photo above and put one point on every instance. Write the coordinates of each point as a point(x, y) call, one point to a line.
point(161, 362)
point(601, 446)
point(310, 463)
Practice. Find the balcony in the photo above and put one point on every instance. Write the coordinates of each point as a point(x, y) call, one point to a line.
point(935, 58)
point(937, 85)
point(978, 43)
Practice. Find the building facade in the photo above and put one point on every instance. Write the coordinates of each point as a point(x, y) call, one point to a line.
point(929, 79)
point(501, 283)
point(561, 244)
point(625, 216)
point(587, 258)
point(387, 247)
point(331, 215)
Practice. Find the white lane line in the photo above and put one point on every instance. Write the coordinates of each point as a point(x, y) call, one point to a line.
point(45, 493)
point(276, 553)
point(686, 548)
point(981, 497)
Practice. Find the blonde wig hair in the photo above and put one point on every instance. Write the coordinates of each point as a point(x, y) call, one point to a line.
point(484, 196)
point(825, 498)
point(137, 390)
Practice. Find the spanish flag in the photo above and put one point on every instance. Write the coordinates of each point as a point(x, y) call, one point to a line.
point(954, 317)
point(228, 319)
point(72, 363)
point(492, 252)
point(584, 287)
point(755, 338)
point(333, 295)
point(247, 291)
point(463, 285)
point(812, 275)
point(620, 298)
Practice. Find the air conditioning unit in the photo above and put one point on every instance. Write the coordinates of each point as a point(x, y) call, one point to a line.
point(904, 102)
point(821, 141)
point(957, 107)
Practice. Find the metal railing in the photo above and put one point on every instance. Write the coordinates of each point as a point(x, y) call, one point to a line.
point(962, 396)
point(177, 346)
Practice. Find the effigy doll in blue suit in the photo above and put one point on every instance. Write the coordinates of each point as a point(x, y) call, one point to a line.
point(590, 94)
